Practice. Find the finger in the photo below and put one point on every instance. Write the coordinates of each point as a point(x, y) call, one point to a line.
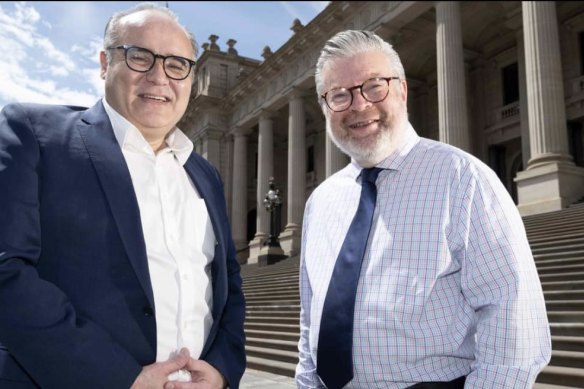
point(197, 365)
point(179, 385)
point(177, 362)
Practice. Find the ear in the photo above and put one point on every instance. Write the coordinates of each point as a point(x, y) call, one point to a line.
point(404, 90)
point(103, 64)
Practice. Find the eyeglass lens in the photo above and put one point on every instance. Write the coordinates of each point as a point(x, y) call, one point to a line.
point(373, 90)
point(142, 60)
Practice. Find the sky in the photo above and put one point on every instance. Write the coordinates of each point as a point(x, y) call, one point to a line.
point(49, 49)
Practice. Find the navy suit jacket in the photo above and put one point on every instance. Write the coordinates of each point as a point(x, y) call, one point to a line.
point(76, 302)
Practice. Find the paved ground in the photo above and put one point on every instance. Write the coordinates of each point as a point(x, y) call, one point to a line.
point(259, 379)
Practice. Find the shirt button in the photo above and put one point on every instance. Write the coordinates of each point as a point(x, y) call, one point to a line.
point(147, 311)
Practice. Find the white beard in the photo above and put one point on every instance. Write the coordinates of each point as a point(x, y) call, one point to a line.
point(369, 152)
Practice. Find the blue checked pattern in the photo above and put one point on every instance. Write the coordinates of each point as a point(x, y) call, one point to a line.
point(448, 284)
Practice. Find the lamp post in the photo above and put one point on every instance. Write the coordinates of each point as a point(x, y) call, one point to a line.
point(271, 252)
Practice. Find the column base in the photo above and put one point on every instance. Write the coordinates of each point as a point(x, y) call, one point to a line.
point(290, 239)
point(549, 187)
point(241, 251)
point(255, 247)
point(270, 255)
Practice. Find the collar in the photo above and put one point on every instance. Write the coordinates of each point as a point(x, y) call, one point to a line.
point(130, 138)
point(396, 159)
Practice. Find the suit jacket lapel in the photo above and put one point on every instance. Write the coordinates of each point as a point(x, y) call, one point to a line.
point(112, 170)
point(207, 189)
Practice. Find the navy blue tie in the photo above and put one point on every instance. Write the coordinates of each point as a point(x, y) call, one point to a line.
point(335, 340)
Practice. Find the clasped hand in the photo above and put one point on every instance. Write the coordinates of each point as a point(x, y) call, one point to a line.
point(203, 375)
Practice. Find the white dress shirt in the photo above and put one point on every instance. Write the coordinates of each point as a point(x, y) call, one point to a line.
point(179, 237)
point(448, 285)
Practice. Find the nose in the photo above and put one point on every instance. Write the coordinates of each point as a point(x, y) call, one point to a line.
point(157, 75)
point(359, 102)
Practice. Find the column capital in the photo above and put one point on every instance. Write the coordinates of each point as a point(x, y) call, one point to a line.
point(296, 93)
point(240, 131)
point(267, 114)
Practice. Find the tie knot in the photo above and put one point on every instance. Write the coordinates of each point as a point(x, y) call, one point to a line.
point(370, 174)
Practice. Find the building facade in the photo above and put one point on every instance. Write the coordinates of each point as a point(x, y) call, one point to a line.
point(502, 80)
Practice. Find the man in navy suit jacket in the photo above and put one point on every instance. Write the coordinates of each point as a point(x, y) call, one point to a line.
point(98, 246)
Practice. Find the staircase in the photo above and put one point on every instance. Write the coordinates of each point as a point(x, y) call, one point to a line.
point(557, 242)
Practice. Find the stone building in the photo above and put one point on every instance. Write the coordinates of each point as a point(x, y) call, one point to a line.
point(503, 80)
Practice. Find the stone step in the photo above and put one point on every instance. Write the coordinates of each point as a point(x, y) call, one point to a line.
point(266, 301)
point(550, 217)
point(568, 343)
point(560, 375)
point(282, 274)
point(554, 215)
point(574, 237)
point(274, 307)
point(282, 335)
point(266, 289)
point(562, 285)
point(574, 245)
point(290, 280)
point(553, 234)
point(561, 232)
point(250, 297)
point(561, 269)
point(272, 354)
point(570, 220)
point(271, 366)
point(571, 224)
point(566, 316)
point(557, 254)
point(286, 345)
point(537, 385)
point(546, 263)
point(554, 295)
point(275, 290)
point(570, 277)
point(567, 329)
point(252, 312)
point(565, 305)
point(273, 319)
point(272, 327)
point(567, 358)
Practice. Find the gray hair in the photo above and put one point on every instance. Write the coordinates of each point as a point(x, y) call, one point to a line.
point(347, 43)
point(112, 29)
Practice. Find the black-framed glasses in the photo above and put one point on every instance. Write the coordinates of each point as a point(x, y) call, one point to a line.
point(373, 90)
point(142, 60)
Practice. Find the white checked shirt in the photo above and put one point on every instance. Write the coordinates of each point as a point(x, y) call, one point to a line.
point(179, 237)
point(448, 285)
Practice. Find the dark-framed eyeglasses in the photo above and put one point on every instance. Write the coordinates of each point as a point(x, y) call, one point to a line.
point(142, 60)
point(373, 90)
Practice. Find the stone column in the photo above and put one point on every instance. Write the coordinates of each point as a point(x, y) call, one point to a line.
point(523, 109)
point(335, 159)
point(211, 147)
point(239, 194)
point(296, 198)
point(265, 171)
point(452, 104)
point(551, 181)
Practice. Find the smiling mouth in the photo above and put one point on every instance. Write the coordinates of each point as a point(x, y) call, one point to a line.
point(156, 98)
point(363, 123)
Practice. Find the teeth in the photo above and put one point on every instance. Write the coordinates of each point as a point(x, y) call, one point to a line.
point(159, 98)
point(359, 124)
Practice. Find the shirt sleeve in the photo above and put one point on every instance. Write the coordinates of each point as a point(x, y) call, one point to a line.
point(306, 376)
point(500, 281)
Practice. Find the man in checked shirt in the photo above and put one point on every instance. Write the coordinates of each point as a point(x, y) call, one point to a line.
point(431, 285)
